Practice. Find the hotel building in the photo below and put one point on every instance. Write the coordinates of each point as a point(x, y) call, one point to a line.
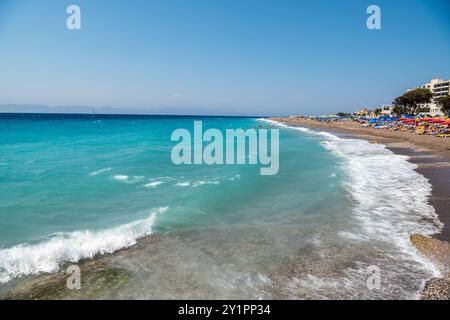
point(439, 88)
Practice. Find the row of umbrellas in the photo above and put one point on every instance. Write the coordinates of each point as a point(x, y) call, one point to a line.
point(445, 121)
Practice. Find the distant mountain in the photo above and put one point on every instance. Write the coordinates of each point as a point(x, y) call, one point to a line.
point(16, 108)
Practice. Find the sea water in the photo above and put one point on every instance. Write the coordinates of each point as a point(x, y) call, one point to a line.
point(78, 186)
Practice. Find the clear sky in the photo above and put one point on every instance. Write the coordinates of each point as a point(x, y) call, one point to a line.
point(252, 56)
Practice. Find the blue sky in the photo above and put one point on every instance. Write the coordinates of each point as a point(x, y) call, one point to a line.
point(246, 56)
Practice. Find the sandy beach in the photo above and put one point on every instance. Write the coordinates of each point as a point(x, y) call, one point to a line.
point(437, 146)
point(432, 157)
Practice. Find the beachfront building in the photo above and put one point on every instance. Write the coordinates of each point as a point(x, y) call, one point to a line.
point(439, 88)
point(362, 113)
point(387, 110)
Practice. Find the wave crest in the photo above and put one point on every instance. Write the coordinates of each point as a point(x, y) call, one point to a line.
point(48, 256)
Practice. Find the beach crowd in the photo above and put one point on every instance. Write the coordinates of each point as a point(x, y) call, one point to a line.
point(422, 125)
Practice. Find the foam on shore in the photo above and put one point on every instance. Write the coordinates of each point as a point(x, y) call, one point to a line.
point(48, 256)
point(391, 198)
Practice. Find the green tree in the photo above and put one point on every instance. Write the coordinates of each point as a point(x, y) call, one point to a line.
point(377, 111)
point(444, 103)
point(343, 114)
point(397, 110)
point(409, 102)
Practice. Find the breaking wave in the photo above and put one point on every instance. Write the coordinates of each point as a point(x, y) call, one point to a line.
point(48, 256)
point(391, 198)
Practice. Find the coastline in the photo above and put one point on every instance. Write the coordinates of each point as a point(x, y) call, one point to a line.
point(104, 276)
point(430, 154)
point(432, 157)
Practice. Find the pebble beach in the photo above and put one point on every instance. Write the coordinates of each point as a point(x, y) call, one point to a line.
point(432, 157)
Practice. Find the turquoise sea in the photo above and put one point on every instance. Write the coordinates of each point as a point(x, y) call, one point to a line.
point(76, 186)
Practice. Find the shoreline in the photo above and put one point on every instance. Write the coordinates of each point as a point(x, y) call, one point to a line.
point(437, 146)
point(103, 272)
point(430, 154)
point(432, 157)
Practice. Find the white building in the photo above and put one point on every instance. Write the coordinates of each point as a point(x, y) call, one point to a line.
point(387, 110)
point(439, 88)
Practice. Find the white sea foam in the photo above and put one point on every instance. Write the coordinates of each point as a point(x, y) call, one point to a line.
point(137, 179)
point(302, 129)
point(391, 198)
point(204, 182)
point(183, 184)
point(153, 184)
point(71, 247)
point(236, 177)
point(197, 183)
point(121, 177)
point(95, 173)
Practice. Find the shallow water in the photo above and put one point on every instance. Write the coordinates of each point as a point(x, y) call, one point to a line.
point(74, 187)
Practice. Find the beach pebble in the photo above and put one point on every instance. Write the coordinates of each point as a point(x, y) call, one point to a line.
point(437, 289)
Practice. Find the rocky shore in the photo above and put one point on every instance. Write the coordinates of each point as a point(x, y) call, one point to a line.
point(439, 253)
